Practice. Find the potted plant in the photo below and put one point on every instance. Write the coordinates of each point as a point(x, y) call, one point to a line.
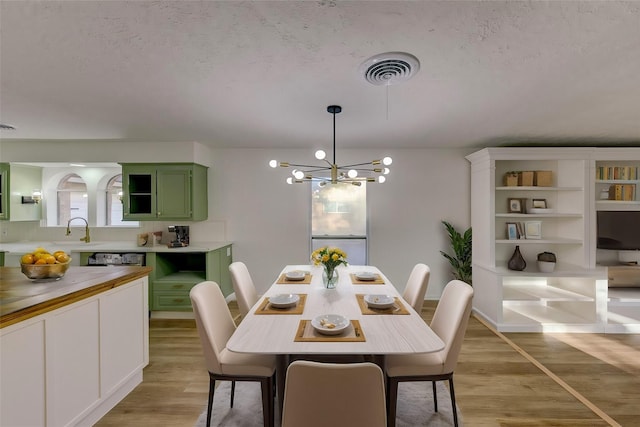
point(461, 260)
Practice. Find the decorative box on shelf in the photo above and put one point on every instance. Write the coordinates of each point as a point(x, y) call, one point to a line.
point(525, 178)
point(511, 179)
point(543, 179)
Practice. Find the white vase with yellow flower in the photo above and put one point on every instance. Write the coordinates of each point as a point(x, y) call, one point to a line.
point(329, 258)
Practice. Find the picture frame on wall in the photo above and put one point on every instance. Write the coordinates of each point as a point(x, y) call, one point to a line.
point(539, 203)
point(533, 229)
point(512, 231)
point(515, 206)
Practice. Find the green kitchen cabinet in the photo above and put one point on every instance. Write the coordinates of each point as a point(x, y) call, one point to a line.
point(175, 273)
point(4, 191)
point(166, 191)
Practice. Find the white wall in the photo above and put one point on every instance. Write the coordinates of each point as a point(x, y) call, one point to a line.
point(268, 220)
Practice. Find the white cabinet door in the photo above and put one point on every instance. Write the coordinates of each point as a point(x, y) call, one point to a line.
point(122, 335)
point(22, 371)
point(73, 362)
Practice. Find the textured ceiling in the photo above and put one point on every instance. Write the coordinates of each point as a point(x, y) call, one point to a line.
point(261, 74)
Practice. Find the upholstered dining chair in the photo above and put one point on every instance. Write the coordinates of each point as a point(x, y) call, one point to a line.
point(334, 394)
point(243, 286)
point(449, 323)
point(417, 286)
point(215, 326)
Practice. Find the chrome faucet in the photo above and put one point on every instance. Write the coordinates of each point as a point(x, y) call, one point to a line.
point(86, 237)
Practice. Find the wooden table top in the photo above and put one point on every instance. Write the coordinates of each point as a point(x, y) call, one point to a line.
point(22, 298)
point(385, 334)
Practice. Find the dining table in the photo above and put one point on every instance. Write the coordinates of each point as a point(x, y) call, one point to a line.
point(290, 332)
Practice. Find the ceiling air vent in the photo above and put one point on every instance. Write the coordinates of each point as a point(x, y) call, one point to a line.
point(389, 68)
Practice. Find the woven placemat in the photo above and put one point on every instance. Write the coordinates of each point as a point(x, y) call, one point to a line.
point(377, 281)
point(397, 307)
point(267, 308)
point(307, 333)
point(282, 280)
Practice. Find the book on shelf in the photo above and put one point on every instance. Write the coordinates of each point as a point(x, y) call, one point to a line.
point(611, 173)
point(626, 192)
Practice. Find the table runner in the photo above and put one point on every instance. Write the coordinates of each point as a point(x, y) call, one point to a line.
point(307, 333)
point(397, 307)
point(282, 280)
point(266, 308)
point(377, 281)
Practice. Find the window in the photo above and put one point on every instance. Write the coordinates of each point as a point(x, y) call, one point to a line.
point(339, 218)
point(72, 199)
point(114, 201)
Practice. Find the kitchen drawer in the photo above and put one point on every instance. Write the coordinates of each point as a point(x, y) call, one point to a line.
point(171, 301)
point(174, 286)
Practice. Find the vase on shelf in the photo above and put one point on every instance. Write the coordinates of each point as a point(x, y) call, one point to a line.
point(329, 277)
point(517, 261)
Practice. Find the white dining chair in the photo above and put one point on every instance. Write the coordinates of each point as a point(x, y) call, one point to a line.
point(215, 326)
point(416, 287)
point(243, 286)
point(334, 394)
point(449, 323)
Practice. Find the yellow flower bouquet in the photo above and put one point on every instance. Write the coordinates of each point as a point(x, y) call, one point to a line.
point(329, 258)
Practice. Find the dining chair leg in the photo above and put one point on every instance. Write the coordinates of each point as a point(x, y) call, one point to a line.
point(453, 402)
point(266, 385)
point(233, 392)
point(212, 389)
point(435, 396)
point(392, 397)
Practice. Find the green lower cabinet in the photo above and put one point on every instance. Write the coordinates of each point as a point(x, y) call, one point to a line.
point(175, 273)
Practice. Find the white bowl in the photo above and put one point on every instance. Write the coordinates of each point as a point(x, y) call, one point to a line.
point(379, 301)
point(365, 275)
point(546, 266)
point(284, 300)
point(330, 324)
point(295, 275)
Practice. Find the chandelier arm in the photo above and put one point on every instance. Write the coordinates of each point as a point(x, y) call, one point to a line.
point(358, 164)
point(307, 166)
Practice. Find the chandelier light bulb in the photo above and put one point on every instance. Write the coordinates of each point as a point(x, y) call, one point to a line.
point(386, 171)
point(298, 174)
point(381, 179)
point(273, 163)
point(352, 173)
point(387, 161)
point(321, 155)
point(289, 180)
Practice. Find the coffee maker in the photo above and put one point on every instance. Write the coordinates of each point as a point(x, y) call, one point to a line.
point(182, 236)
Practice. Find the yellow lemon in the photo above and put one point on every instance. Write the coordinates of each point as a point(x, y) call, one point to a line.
point(27, 259)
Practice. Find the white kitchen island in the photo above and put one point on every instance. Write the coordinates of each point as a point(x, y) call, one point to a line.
point(71, 349)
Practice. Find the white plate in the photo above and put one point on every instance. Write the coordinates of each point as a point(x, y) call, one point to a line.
point(330, 324)
point(284, 300)
point(379, 301)
point(365, 275)
point(295, 275)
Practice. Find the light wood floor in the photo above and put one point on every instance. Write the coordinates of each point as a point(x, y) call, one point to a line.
point(515, 380)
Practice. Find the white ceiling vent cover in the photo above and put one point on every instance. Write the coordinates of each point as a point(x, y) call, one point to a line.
point(389, 68)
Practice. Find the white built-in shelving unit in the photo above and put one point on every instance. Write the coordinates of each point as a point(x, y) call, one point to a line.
point(575, 297)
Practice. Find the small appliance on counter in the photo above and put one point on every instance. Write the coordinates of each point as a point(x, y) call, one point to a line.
point(182, 236)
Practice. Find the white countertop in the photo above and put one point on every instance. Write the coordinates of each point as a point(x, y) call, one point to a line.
point(106, 246)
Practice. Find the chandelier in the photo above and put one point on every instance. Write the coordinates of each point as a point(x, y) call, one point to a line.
point(332, 173)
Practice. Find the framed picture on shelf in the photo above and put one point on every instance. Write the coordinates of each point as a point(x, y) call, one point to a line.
point(533, 229)
point(512, 231)
point(516, 206)
point(539, 203)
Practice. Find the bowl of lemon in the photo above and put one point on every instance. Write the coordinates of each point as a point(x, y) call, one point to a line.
point(42, 264)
